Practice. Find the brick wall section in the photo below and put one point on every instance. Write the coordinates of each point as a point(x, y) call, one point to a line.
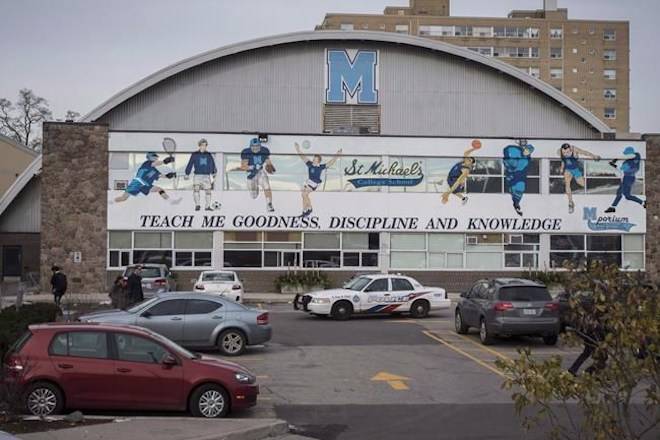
point(653, 205)
point(74, 205)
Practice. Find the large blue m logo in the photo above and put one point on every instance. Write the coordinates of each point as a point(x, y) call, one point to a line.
point(351, 79)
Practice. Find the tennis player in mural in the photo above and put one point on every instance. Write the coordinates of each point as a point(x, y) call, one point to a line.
point(202, 165)
point(146, 177)
point(629, 169)
point(571, 169)
point(255, 159)
point(459, 173)
point(315, 169)
point(517, 159)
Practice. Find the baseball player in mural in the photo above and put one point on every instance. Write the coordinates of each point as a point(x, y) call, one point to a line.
point(146, 177)
point(629, 169)
point(314, 172)
point(201, 163)
point(255, 159)
point(459, 174)
point(570, 168)
point(517, 159)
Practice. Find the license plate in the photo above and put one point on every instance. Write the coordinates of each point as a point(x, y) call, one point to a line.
point(529, 311)
point(147, 286)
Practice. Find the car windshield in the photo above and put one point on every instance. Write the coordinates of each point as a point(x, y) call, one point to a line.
point(358, 283)
point(524, 293)
point(218, 276)
point(141, 305)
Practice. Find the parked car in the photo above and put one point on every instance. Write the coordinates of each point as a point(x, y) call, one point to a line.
point(377, 293)
point(220, 282)
point(156, 278)
point(62, 366)
point(196, 321)
point(506, 307)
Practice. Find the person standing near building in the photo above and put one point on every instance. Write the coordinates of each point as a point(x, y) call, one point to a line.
point(629, 169)
point(255, 159)
point(118, 293)
point(134, 287)
point(202, 164)
point(58, 283)
point(517, 159)
point(459, 174)
point(314, 172)
point(571, 170)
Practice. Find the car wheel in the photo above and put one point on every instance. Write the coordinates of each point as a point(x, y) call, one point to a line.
point(43, 399)
point(342, 310)
point(484, 335)
point(232, 342)
point(550, 340)
point(209, 401)
point(420, 309)
point(459, 324)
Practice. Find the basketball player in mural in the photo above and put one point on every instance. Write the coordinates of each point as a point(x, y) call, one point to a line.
point(201, 163)
point(571, 169)
point(459, 174)
point(315, 169)
point(516, 161)
point(146, 177)
point(629, 169)
point(255, 159)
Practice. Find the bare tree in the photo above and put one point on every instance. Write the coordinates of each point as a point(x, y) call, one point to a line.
point(22, 121)
point(72, 115)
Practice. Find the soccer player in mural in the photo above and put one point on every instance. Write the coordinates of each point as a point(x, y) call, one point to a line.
point(570, 169)
point(517, 159)
point(629, 169)
point(459, 174)
point(146, 177)
point(201, 163)
point(314, 172)
point(255, 159)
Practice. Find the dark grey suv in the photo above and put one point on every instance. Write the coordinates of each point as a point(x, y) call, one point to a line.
point(507, 307)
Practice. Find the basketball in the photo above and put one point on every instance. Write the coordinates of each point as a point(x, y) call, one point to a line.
point(476, 144)
point(306, 144)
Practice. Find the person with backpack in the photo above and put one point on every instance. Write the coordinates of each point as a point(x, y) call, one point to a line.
point(58, 284)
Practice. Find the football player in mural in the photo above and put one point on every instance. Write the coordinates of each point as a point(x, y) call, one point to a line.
point(255, 159)
point(314, 172)
point(570, 169)
point(459, 174)
point(146, 176)
point(201, 163)
point(517, 159)
point(629, 169)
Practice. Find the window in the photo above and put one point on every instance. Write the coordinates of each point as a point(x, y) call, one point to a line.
point(609, 55)
point(556, 73)
point(436, 31)
point(535, 72)
point(80, 344)
point(609, 35)
point(626, 251)
point(526, 294)
point(399, 284)
point(168, 308)
point(488, 176)
point(556, 52)
point(120, 244)
point(609, 113)
point(379, 285)
point(516, 52)
point(609, 74)
point(401, 28)
point(201, 306)
point(599, 177)
point(186, 245)
point(462, 31)
point(346, 26)
point(132, 348)
point(480, 31)
point(575, 70)
point(485, 51)
point(609, 93)
point(556, 33)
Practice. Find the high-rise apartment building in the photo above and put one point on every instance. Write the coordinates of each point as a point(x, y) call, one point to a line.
point(586, 59)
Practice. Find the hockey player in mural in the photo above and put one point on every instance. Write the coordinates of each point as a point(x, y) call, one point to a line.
point(146, 177)
point(459, 173)
point(629, 169)
point(517, 159)
point(202, 165)
point(255, 159)
point(571, 169)
point(315, 169)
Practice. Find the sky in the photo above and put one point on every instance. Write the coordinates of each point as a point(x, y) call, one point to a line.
point(78, 53)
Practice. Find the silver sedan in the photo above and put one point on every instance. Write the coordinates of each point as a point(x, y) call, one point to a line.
point(195, 321)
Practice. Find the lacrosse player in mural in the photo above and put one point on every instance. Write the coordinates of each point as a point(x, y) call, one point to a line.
point(314, 172)
point(459, 174)
point(517, 159)
point(202, 164)
point(629, 169)
point(255, 159)
point(146, 177)
point(570, 169)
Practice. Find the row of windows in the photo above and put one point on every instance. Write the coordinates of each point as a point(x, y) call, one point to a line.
point(487, 175)
point(175, 249)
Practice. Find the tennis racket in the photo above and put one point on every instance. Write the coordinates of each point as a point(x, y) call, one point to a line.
point(169, 146)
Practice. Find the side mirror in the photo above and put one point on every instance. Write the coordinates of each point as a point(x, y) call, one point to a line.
point(146, 314)
point(168, 360)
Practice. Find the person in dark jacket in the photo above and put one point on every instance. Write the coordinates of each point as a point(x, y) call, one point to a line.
point(592, 331)
point(119, 293)
point(58, 283)
point(134, 286)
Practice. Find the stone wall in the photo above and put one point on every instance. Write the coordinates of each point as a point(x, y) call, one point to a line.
point(653, 204)
point(74, 204)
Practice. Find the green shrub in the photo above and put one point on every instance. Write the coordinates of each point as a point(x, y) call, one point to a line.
point(546, 277)
point(13, 323)
point(307, 278)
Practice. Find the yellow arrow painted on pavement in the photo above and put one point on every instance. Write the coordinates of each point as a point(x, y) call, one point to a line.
point(396, 382)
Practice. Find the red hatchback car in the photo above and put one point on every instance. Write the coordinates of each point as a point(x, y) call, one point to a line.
point(103, 366)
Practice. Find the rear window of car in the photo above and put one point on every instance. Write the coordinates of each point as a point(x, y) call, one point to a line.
point(147, 272)
point(524, 293)
point(18, 345)
point(218, 276)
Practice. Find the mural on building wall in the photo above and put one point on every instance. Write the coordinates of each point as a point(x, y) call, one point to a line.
point(315, 169)
point(202, 165)
point(459, 173)
point(571, 168)
point(517, 159)
point(628, 169)
point(255, 161)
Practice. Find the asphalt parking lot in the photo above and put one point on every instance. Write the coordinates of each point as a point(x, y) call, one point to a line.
point(386, 377)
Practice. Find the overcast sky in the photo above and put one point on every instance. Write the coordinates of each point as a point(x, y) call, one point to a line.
point(78, 53)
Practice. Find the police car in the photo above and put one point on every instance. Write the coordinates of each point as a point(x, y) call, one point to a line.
point(376, 293)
